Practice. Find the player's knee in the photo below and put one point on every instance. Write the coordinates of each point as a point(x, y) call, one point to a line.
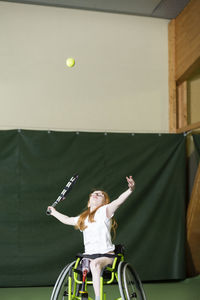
point(95, 266)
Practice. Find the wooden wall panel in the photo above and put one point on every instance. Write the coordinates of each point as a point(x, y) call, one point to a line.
point(193, 229)
point(184, 61)
point(182, 105)
point(187, 42)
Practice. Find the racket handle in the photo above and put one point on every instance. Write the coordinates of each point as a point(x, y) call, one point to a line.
point(48, 212)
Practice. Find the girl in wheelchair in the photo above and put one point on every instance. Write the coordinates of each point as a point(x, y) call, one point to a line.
point(96, 224)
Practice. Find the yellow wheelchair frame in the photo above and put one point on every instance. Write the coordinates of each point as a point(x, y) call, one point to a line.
point(67, 286)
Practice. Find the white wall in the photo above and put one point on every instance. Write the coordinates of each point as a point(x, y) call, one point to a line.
point(119, 83)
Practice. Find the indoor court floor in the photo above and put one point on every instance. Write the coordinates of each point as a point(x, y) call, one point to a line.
point(188, 289)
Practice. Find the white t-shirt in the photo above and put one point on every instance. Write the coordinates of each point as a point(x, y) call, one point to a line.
point(97, 237)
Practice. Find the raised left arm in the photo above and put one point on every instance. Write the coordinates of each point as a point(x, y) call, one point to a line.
point(114, 205)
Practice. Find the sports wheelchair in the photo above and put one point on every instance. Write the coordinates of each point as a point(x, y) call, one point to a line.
point(73, 280)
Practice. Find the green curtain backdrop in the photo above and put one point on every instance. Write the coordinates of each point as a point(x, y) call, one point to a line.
point(196, 138)
point(35, 166)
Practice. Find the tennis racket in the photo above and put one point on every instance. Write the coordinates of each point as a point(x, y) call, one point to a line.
point(64, 192)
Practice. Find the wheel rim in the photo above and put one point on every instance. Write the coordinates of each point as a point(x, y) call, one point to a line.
point(120, 280)
point(132, 284)
point(60, 291)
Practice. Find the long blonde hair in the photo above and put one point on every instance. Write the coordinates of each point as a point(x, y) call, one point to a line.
point(86, 213)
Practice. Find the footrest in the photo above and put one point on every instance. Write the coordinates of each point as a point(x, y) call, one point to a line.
point(83, 295)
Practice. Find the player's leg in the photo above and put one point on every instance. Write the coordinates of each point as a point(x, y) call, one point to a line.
point(96, 266)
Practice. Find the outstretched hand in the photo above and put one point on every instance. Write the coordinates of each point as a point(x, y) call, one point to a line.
point(131, 183)
point(51, 210)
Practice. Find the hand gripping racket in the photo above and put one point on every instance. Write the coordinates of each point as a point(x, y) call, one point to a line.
point(64, 192)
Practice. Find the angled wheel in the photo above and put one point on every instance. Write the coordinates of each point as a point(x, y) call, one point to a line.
point(62, 288)
point(130, 285)
point(58, 280)
point(120, 280)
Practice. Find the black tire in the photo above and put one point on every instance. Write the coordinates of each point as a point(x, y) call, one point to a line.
point(60, 290)
point(130, 285)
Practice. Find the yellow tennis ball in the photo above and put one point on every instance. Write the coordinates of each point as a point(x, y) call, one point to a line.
point(70, 62)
